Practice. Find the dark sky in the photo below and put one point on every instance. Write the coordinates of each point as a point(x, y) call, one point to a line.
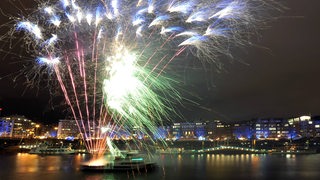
point(278, 79)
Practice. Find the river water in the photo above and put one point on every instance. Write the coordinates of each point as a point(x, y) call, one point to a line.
point(206, 166)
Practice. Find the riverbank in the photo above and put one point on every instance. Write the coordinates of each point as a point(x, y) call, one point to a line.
point(11, 145)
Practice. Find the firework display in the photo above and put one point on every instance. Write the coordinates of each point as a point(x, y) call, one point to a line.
point(110, 56)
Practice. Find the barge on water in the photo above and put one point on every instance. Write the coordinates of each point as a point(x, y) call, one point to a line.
point(119, 165)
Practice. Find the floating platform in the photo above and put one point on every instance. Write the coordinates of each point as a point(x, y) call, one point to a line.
point(119, 165)
point(123, 167)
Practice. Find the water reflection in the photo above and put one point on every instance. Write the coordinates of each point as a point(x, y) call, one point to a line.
point(100, 176)
point(26, 163)
point(196, 166)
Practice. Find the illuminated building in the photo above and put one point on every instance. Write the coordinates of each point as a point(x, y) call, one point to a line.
point(242, 131)
point(303, 126)
point(67, 129)
point(183, 130)
point(271, 128)
point(176, 131)
point(188, 130)
point(17, 127)
point(49, 131)
point(218, 130)
point(6, 128)
point(293, 128)
point(200, 130)
point(316, 123)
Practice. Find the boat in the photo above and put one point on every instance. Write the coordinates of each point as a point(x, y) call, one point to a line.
point(129, 163)
point(44, 149)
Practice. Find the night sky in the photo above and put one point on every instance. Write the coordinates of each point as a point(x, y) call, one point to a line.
point(277, 78)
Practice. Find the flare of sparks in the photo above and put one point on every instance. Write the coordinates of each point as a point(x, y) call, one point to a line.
point(110, 56)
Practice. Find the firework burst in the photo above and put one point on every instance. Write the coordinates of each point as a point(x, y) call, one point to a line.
point(110, 56)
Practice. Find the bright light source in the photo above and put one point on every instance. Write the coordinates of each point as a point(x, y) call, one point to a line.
point(104, 129)
point(303, 118)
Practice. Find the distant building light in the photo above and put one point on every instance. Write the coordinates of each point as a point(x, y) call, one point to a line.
point(70, 138)
point(201, 138)
point(303, 118)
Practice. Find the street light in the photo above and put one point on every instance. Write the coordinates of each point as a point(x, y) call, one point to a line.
point(37, 126)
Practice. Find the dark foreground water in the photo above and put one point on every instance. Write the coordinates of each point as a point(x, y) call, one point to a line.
point(176, 167)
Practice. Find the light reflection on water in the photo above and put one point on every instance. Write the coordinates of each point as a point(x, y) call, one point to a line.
point(196, 166)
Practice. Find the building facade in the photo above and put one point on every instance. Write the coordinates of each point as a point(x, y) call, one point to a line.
point(17, 127)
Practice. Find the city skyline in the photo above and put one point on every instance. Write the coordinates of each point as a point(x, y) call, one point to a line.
point(277, 79)
point(261, 128)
